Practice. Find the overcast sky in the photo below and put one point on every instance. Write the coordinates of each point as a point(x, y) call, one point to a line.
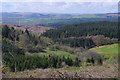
point(57, 6)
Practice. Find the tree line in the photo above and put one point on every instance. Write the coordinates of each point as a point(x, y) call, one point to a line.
point(87, 34)
point(106, 28)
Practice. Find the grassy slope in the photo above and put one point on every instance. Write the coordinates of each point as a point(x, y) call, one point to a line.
point(107, 49)
point(56, 53)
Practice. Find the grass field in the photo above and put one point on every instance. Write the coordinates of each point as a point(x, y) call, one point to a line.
point(57, 53)
point(107, 49)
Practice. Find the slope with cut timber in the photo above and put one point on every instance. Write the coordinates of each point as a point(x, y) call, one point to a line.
point(33, 29)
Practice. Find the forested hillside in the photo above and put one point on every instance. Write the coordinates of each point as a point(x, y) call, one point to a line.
point(87, 34)
point(24, 50)
point(106, 28)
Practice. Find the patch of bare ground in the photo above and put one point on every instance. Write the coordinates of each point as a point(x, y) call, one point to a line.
point(100, 72)
point(86, 72)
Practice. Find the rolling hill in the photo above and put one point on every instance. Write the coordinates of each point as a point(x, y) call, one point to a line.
point(53, 20)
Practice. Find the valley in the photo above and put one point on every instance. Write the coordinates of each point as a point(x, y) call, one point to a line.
point(71, 49)
point(104, 71)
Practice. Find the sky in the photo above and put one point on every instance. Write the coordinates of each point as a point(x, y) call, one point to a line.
point(60, 6)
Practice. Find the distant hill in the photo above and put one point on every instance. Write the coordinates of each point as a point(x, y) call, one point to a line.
point(53, 20)
point(53, 15)
point(32, 15)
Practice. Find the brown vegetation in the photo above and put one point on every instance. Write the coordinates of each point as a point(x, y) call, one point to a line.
point(33, 29)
